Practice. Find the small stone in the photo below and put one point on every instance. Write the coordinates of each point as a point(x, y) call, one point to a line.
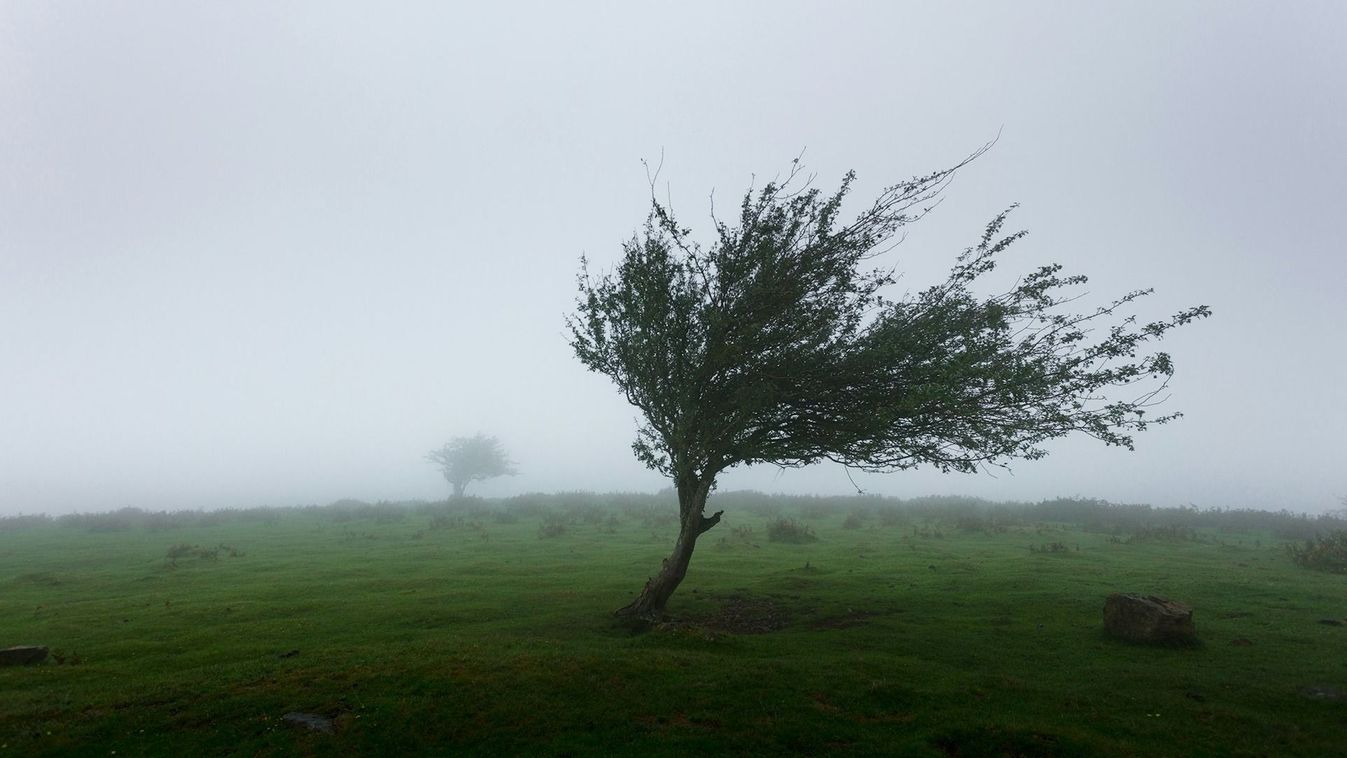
point(1147, 618)
point(1333, 622)
point(288, 654)
point(310, 721)
point(22, 655)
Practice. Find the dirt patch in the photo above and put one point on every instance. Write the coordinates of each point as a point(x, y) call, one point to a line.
point(745, 614)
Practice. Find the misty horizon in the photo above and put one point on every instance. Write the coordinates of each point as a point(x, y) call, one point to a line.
point(253, 256)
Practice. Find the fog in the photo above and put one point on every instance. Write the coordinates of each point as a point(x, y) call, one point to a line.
point(257, 254)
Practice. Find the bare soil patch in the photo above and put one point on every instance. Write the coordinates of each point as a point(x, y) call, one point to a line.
point(748, 614)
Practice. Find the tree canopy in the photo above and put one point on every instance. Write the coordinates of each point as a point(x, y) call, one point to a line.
point(464, 460)
point(779, 343)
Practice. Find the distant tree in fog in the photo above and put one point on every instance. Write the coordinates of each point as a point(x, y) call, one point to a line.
point(464, 460)
point(773, 345)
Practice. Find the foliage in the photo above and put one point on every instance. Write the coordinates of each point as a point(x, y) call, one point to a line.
point(464, 460)
point(775, 344)
point(552, 527)
point(790, 530)
point(772, 345)
point(24, 521)
point(1327, 552)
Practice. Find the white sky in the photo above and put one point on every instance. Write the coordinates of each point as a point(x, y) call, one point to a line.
point(272, 253)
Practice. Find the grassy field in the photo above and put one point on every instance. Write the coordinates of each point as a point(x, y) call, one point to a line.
point(439, 631)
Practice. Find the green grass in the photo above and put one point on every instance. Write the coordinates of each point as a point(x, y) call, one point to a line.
point(913, 638)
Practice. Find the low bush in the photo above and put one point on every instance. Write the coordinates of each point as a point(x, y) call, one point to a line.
point(21, 521)
point(1326, 552)
point(791, 531)
point(554, 525)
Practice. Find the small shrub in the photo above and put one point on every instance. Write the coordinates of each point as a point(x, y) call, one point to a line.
point(791, 531)
point(1051, 547)
point(554, 525)
point(184, 550)
point(854, 520)
point(1327, 552)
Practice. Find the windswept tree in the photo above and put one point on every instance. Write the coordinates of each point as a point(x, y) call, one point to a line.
point(776, 343)
point(465, 460)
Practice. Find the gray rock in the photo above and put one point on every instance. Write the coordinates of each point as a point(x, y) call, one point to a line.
point(22, 655)
point(310, 721)
point(1147, 618)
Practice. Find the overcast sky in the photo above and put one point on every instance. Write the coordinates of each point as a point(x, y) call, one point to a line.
point(272, 253)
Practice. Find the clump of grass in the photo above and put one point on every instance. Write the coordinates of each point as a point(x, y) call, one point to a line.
point(554, 525)
point(184, 550)
point(1327, 552)
point(854, 520)
point(1051, 547)
point(789, 530)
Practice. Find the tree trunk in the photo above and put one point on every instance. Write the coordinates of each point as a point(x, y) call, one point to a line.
point(648, 607)
point(459, 487)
